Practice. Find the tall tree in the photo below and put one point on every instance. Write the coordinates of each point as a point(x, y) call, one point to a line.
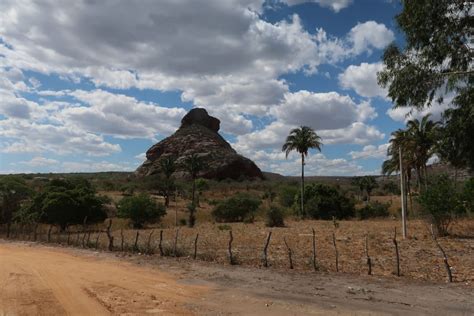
point(193, 165)
point(436, 61)
point(168, 167)
point(423, 136)
point(369, 184)
point(301, 140)
point(13, 190)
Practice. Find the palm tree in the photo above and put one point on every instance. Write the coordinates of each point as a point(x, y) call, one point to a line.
point(423, 135)
point(193, 165)
point(301, 140)
point(168, 168)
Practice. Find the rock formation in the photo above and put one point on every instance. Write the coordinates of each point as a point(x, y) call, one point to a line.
point(199, 135)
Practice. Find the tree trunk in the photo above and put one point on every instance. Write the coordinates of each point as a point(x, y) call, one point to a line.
point(302, 186)
point(194, 190)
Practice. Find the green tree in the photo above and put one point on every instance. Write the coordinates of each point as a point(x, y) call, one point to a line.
point(369, 184)
point(64, 202)
point(13, 190)
point(201, 186)
point(441, 203)
point(193, 164)
point(302, 139)
point(436, 61)
point(239, 208)
point(140, 209)
point(423, 138)
point(167, 186)
point(325, 202)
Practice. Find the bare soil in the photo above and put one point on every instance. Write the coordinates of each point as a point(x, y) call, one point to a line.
point(42, 280)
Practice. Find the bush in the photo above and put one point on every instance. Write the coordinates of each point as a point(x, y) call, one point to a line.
point(441, 203)
point(238, 208)
point(286, 195)
point(325, 202)
point(140, 209)
point(372, 210)
point(468, 196)
point(275, 217)
point(65, 202)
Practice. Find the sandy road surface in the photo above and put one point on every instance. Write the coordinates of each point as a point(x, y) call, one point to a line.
point(48, 281)
point(40, 280)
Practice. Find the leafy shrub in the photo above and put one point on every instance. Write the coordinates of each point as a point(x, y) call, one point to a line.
point(238, 208)
point(441, 203)
point(372, 210)
point(325, 202)
point(468, 196)
point(64, 202)
point(275, 217)
point(286, 195)
point(224, 227)
point(140, 209)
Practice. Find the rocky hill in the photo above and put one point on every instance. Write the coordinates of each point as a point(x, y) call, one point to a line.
point(199, 135)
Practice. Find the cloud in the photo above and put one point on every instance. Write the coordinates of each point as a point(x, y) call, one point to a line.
point(369, 35)
point(363, 80)
point(120, 115)
point(40, 162)
point(224, 57)
point(335, 5)
point(370, 151)
point(321, 111)
point(20, 136)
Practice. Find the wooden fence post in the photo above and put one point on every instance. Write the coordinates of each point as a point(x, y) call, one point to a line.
point(195, 246)
point(49, 233)
point(160, 245)
point(290, 259)
point(315, 267)
point(231, 239)
point(122, 240)
point(335, 250)
point(265, 250)
point(135, 245)
point(35, 234)
point(148, 243)
point(175, 246)
point(445, 257)
point(397, 252)
point(369, 260)
point(97, 240)
point(109, 236)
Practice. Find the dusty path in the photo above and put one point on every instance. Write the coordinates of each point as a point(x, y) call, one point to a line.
point(40, 280)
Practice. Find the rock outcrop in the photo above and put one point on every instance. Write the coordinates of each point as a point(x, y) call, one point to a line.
point(199, 135)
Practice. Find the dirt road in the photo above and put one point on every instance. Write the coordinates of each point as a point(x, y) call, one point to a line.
point(40, 280)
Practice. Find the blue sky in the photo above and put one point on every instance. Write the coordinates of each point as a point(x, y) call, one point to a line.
point(90, 86)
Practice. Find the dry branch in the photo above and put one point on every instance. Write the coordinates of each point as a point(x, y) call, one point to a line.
point(369, 260)
point(231, 239)
point(290, 253)
point(335, 250)
point(265, 250)
point(160, 245)
point(445, 257)
point(397, 252)
point(195, 246)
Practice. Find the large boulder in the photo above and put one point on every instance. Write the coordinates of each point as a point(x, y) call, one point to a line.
point(199, 135)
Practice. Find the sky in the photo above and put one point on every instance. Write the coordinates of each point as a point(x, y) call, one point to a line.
point(90, 85)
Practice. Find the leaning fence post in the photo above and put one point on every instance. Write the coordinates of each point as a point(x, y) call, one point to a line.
point(175, 247)
point(335, 250)
point(135, 245)
point(445, 257)
point(122, 240)
point(290, 259)
point(195, 246)
point(315, 267)
point(369, 260)
point(148, 243)
point(49, 233)
point(160, 245)
point(397, 252)
point(265, 249)
point(231, 239)
point(109, 236)
point(97, 240)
